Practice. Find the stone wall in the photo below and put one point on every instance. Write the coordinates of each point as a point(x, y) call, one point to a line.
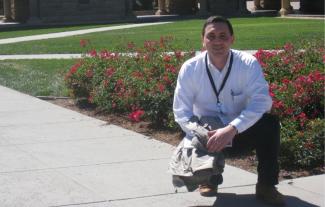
point(271, 4)
point(1, 7)
point(84, 10)
point(312, 6)
point(182, 7)
point(19, 10)
point(227, 7)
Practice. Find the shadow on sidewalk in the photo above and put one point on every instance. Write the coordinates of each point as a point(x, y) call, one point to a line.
point(248, 200)
point(232, 199)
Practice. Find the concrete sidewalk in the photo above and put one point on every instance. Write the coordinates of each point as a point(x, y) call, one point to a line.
point(51, 156)
point(40, 56)
point(74, 33)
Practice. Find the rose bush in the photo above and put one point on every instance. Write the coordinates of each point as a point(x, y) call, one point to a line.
point(142, 80)
point(296, 80)
point(141, 83)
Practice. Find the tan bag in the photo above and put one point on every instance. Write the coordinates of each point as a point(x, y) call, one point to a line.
point(192, 166)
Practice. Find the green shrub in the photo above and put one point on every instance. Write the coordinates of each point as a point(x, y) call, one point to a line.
point(141, 80)
point(296, 80)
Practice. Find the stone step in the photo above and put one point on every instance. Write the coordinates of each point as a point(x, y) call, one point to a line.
point(265, 13)
point(144, 12)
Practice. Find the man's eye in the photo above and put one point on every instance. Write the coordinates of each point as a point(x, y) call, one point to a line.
point(223, 37)
point(211, 37)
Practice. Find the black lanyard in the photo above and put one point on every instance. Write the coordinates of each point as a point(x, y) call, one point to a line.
point(224, 80)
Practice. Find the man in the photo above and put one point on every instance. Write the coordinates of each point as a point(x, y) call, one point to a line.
point(230, 85)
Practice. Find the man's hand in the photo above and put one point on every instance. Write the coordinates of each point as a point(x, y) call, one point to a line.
point(219, 138)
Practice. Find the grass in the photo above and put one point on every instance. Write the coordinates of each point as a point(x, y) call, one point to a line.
point(27, 31)
point(250, 33)
point(45, 77)
point(35, 77)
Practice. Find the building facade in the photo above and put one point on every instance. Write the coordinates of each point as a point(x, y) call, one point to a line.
point(70, 11)
point(202, 7)
point(67, 10)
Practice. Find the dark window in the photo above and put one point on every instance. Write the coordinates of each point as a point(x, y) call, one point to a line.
point(84, 1)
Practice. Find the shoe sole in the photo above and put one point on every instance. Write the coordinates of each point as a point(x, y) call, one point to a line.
point(208, 194)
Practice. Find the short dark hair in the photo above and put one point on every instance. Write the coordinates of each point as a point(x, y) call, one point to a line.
point(217, 19)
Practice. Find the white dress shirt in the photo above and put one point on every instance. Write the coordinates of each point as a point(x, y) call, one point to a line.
point(244, 98)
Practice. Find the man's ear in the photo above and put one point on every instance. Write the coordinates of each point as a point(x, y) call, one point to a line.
point(203, 45)
point(232, 39)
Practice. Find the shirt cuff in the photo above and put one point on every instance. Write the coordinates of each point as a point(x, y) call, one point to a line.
point(239, 124)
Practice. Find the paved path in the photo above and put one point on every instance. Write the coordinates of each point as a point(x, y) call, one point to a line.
point(61, 56)
point(40, 56)
point(51, 156)
point(73, 33)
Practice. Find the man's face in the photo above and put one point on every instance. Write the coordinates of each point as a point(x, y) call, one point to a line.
point(217, 39)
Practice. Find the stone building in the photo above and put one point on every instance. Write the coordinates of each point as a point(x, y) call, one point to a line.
point(306, 6)
point(67, 10)
point(1, 7)
point(312, 6)
point(235, 7)
point(202, 7)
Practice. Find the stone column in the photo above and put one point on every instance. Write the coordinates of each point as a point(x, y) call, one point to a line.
point(7, 10)
point(161, 7)
point(257, 5)
point(203, 10)
point(286, 8)
point(171, 6)
point(34, 12)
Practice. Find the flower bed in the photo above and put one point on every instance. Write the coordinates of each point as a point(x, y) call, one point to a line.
point(141, 84)
point(296, 80)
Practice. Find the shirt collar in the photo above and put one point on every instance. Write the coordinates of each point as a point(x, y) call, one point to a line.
point(211, 66)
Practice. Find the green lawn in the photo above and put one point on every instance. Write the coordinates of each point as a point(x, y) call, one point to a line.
point(35, 77)
point(250, 33)
point(19, 32)
point(45, 77)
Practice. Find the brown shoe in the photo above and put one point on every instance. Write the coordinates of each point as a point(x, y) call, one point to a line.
point(269, 195)
point(208, 190)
